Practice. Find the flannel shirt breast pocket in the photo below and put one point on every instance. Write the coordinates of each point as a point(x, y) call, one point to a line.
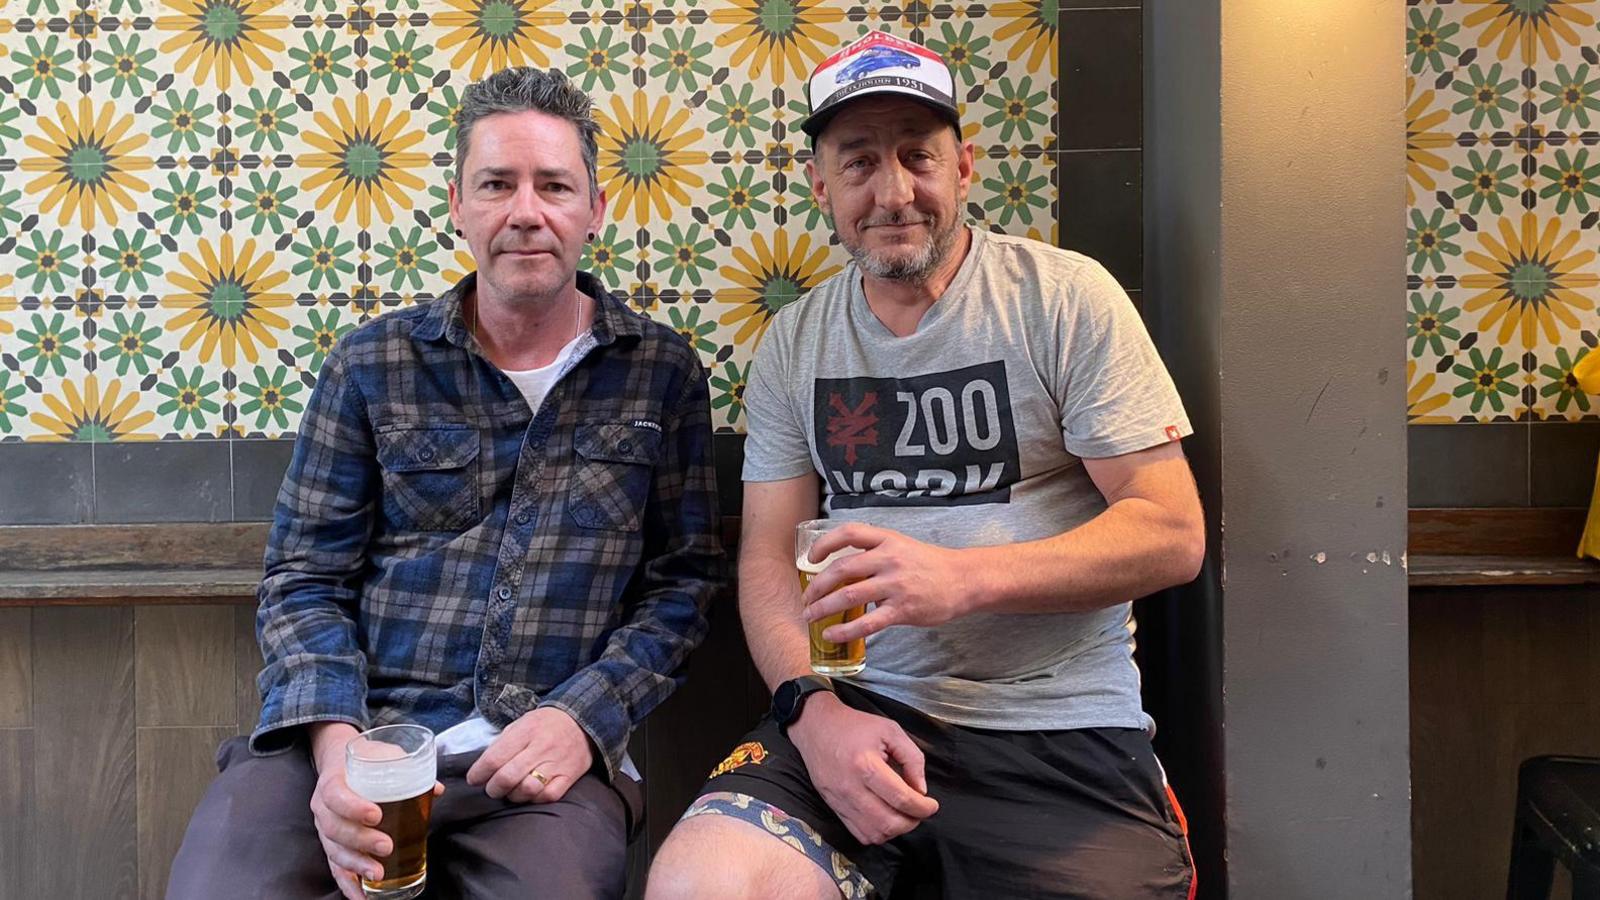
point(430, 476)
point(611, 477)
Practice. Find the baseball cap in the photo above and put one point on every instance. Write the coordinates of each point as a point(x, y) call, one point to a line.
point(879, 63)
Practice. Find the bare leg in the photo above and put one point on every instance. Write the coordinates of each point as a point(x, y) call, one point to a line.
point(722, 858)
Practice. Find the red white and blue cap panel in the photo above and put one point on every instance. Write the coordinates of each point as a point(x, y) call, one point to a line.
point(876, 64)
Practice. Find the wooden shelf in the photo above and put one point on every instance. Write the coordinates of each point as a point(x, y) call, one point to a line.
point(1447, 571)
point(128, 587)
point(134, 565)
point(1514, 546)
point(116, 565)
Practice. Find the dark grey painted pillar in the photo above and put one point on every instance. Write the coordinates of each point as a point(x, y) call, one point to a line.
point(1275, 209)
point(1183, 302)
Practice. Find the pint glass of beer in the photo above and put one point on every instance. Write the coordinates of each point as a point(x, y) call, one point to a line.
point(827, 657)
point(395, 767)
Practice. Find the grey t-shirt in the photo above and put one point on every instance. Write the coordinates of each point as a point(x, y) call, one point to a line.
point(971, 432)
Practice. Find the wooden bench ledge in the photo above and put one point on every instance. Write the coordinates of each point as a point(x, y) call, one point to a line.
point(101, 565)
point(1513, 546)
point(116, 564)
point(1446, 571)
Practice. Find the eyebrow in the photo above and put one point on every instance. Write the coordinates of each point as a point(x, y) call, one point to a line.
point(506, 171)
point(857, 142)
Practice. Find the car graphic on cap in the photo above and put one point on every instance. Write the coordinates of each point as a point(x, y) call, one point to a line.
point(873, 59)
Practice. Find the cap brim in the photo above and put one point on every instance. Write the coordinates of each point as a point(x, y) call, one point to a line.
point(819, 120)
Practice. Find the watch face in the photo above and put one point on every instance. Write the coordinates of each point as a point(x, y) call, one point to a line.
point(787, 700)
point(784, 701)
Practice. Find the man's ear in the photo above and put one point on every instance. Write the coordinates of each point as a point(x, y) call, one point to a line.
point(964, 167)
point(819, 190)
point(455, 204)
point(599, 218)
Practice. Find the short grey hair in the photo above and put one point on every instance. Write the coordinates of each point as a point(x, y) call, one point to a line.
point(524, 88)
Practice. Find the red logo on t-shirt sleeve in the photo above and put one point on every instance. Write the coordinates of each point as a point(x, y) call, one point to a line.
point(1173, 433)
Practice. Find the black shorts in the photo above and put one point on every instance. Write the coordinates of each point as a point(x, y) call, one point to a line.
point(1084, 813)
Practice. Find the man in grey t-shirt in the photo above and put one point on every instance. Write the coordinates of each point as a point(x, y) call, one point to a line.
point(990, 418)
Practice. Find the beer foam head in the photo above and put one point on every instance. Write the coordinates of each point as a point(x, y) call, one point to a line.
point(384, 773)
point(378, 751)
point(803, 561)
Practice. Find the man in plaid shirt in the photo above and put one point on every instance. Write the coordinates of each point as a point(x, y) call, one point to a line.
point(500, 521)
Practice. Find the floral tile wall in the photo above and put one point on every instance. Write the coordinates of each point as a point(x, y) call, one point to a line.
point(1503, 168)
point(197, 197)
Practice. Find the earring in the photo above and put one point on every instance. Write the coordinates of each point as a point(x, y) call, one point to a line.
point(591, 236)
point(460, 233)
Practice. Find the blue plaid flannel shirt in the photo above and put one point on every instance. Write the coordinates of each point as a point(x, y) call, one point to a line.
point(437, 547)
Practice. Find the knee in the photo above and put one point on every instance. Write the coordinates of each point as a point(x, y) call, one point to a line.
point(715, 858)
point(685, 880)
point(215, 824)
point(673, 875)
point(208, 856)
point(248, 825)
point(689, 866)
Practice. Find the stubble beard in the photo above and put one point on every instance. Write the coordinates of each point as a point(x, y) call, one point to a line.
point(915, 269)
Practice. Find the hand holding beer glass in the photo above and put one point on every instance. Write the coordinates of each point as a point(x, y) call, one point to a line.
point(827, 657)
point(395, 767)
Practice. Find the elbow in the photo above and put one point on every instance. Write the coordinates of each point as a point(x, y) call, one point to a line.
point(1194, 558)
point(1191, 551)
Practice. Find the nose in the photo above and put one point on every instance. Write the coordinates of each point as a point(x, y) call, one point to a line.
point(526, 209)
point(895, 185)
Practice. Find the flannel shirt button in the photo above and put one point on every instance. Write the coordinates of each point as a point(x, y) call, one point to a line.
point(504, 593)
point(625, 446)
point(523, 517)
point(426, 455)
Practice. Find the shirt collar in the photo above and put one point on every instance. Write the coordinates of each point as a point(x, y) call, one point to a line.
point(445, 319)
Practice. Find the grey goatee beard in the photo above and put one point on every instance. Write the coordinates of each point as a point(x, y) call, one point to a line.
point(916, 269)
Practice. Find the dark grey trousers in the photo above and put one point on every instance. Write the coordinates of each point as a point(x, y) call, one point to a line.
point(253, 837)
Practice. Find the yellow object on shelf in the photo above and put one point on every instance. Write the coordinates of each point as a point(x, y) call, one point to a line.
point(1587, 372)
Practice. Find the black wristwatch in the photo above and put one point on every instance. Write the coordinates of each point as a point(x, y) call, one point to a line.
point(789, 700)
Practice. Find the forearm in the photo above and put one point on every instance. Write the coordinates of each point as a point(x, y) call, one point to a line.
point(328, 740)
point(769, 583)
point(310, 601)
point(769, 605)
point(1134, 548)
point(644, 657)
point(314, 669)
point(639, 669)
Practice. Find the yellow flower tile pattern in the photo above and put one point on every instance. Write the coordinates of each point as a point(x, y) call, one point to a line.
point(1503, 225)
point(199, 197)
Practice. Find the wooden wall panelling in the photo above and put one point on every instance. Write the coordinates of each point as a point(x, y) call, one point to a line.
point(1447, 716)
point(17, 822)
point(183, 666)
point(1497, 675)
point(16, 668)
point(246, 665)
point(84, 741)
point(1546, 531)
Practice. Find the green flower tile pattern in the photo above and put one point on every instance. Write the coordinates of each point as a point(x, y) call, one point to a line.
point(1503, 229)
point(199, 197)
